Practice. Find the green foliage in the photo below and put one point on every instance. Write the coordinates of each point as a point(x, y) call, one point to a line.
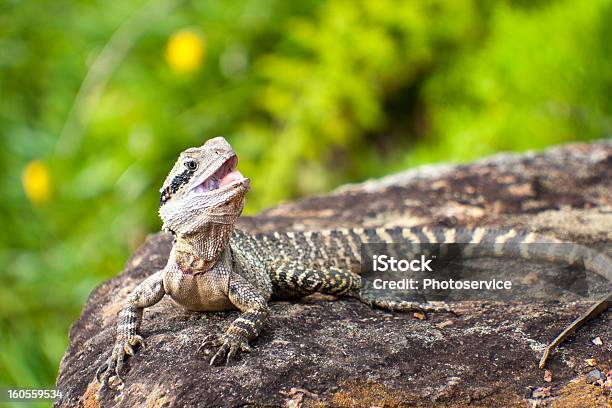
point(312, 94)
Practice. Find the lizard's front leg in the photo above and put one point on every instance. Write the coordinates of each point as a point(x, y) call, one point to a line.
point(144, 295)
point(246, 327)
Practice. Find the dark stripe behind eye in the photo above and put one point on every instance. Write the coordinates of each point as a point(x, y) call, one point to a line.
point(176, 183)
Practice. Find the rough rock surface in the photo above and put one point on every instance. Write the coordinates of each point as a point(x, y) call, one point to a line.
point(321, 351)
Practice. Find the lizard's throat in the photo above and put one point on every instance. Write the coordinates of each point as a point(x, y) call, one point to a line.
point(189, 216)
point(199, 252)
point(202, 226)
point(201, 232)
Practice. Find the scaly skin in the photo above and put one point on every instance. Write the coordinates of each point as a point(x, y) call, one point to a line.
point(213, 267)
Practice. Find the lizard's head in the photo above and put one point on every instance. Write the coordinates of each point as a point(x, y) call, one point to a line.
point(204, 183)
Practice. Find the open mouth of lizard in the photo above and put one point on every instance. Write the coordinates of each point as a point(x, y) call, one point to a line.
point(225, 175)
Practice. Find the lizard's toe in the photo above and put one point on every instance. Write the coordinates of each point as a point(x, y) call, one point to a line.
point(228, 344)
point(220, 354)
point(211, 341)
point(109, 372)
point(233, 348)
point(100, 371)
point(114, 381)
point(128, 349)
point(137, 341)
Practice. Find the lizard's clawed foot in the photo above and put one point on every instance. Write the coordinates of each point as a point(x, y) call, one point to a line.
point(108, 373)
point(228, 344)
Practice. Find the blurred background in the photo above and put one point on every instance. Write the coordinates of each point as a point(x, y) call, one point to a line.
point(97, 100)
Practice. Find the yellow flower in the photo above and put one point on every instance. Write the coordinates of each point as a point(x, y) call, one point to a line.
point(36, 180)
point(185, 51)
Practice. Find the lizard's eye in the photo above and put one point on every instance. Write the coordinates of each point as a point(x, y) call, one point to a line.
point(219, 152)
point(191, 165)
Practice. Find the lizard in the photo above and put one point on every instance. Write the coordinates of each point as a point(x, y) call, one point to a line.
point(214, 266)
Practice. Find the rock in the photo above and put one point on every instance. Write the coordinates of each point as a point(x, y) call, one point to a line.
point(445, 323)
point(542, 392)
point(548, 377)
point(344, 353)
point(594, 375)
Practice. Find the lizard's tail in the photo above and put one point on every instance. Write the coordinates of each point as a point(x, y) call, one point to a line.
point(528, 245)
